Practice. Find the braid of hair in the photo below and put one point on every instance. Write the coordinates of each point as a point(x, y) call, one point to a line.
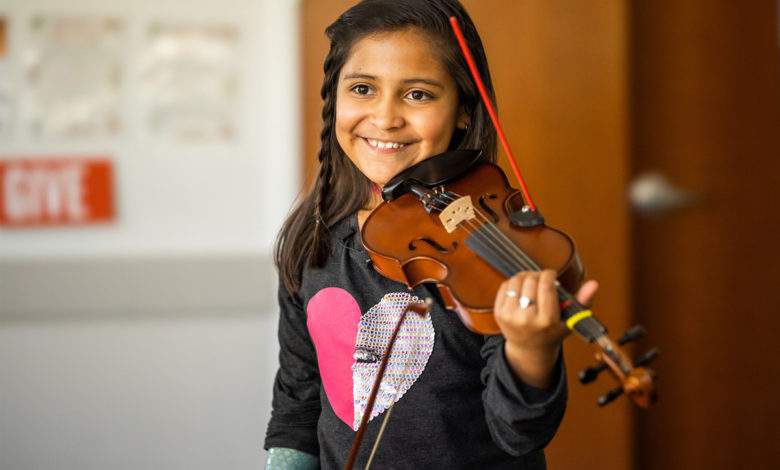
point(319, 244)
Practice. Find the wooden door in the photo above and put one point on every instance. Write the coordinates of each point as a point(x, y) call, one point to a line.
point(707, 115)
point(561, 74)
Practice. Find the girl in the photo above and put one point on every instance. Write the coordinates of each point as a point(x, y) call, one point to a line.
point(397, 91)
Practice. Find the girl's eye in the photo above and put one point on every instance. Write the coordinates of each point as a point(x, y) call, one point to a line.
point(419, 95)
point(361, 89)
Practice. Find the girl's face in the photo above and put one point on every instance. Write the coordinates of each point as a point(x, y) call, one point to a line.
point(396, 104)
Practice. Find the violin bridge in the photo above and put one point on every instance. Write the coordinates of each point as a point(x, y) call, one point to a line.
point(456, 212)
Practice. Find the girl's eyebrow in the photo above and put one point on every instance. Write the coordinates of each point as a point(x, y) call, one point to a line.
point(363, 76)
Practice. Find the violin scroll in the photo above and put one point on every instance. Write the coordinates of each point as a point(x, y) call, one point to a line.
point(637, 381)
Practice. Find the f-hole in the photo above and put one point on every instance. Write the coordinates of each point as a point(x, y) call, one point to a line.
point(433, 243)
point(483, 204)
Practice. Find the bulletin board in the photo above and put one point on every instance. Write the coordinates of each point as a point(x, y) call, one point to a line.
point(195, 111)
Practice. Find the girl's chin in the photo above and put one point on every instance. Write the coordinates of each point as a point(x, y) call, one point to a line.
point(381, 182)
point(386, 174)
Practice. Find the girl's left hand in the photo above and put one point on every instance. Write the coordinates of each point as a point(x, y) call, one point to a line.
point(534, 332)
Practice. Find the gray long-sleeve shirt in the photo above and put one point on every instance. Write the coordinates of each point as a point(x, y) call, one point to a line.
point(457, 403)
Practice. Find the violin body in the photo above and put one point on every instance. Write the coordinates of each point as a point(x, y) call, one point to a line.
point(409, 244)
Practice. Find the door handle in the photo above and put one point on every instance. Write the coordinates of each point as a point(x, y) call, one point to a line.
point(653, 193)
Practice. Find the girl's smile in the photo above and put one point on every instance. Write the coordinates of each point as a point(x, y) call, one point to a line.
point(384, 146)
point(396, 104)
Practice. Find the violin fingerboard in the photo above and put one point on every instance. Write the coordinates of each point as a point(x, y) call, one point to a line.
point(480, 243)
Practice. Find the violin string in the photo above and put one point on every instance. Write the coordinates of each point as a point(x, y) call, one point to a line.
point(507, 248)
point(513, 255)
point(507, 253)
point(517, 258)
point(501, 241)
point(503, 251)
point(530, 263)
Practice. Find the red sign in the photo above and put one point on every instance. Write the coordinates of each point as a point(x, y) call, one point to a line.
point(51, 192)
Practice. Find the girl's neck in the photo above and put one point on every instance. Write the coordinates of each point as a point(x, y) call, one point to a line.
point(362, 214)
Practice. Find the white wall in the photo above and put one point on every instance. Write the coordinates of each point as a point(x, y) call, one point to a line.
point(127, 393)
point(150, 343)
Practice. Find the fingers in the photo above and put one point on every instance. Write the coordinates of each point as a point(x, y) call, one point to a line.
point(587, 291)
point(549, 310)
point(538, 324)
point(534, 325)
point(536, 286)
point(539, 287)
point(509, 293)
point(530, 283)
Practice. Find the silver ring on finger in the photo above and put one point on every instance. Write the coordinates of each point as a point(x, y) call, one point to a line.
point(511, 293)
point(526, 301)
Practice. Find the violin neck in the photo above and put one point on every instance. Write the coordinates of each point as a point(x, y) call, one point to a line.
point(579, 318)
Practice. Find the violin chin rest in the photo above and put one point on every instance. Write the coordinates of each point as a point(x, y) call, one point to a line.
point(434, 171)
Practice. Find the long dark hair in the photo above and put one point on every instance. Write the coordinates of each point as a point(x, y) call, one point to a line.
point(340, 188)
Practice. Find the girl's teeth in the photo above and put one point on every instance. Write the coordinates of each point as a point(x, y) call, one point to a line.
point(384, 145)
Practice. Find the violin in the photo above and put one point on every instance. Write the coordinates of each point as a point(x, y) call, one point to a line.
point(454, 220)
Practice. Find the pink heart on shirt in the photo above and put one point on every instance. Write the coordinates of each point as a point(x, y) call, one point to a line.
point(332, 316)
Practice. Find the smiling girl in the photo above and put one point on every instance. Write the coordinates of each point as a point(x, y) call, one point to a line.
point(396, 92)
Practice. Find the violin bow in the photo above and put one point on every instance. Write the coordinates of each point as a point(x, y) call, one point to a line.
point(491, 112)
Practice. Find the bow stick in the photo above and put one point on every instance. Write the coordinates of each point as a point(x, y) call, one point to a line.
point(491, 111)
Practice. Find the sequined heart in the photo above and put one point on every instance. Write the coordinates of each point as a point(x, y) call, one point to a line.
point(410, 354)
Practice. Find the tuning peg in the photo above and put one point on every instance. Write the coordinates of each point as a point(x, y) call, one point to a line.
point(589, 374)
point(609, 396)
point(632, 334)
point(647, 357)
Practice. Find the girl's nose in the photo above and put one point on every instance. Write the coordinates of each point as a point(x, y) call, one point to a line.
point(387, 114)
